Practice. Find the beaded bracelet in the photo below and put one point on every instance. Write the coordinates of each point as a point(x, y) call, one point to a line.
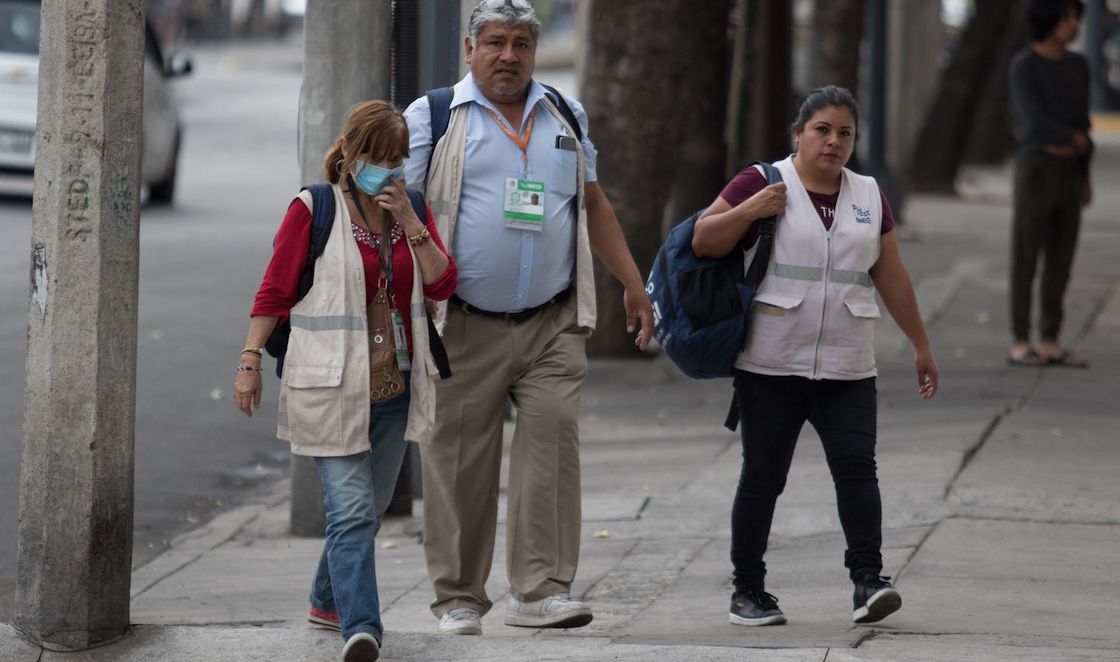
point(419, 238)
point(248, 368)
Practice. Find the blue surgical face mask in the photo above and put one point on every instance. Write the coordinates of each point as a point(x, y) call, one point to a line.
point(372, 178)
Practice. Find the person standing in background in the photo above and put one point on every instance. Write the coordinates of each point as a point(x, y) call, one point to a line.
point(1050, 101)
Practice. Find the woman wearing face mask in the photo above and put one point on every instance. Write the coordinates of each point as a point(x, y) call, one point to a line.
point(332, 404)
point(809, 353)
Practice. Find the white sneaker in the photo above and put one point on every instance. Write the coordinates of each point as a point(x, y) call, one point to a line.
point(361, 647)
point(555, 611)
point(463, 620)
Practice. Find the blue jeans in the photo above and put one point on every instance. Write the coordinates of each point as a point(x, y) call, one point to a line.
point(356, 491)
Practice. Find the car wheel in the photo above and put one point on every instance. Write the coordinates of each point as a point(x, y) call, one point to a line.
point(163, 192)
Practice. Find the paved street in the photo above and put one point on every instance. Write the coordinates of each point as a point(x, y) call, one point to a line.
point(1001, 508)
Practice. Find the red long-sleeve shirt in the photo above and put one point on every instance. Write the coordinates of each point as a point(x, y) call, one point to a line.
point(280, 286)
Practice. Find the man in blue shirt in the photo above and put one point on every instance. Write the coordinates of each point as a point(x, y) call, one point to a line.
point(517, 201)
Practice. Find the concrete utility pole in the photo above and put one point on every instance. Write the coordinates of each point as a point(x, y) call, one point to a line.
point(75, 529)
point(347, 46)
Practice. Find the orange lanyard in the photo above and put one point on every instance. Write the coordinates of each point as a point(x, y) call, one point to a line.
point(520, 141)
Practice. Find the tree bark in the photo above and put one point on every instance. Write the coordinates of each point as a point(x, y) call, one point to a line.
point(761, 102)
point(655, 90)
point(837, 34)
point(992, 139)
point(943, 139)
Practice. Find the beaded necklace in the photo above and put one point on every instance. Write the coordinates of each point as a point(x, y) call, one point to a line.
point(372, 240)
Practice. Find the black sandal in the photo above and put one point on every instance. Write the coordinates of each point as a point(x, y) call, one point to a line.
point(1066, 360)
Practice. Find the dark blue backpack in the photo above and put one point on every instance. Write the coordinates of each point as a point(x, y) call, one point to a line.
point(322, 218)
point(701, 305)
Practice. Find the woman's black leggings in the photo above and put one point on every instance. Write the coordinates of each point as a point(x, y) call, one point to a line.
point(772, 410)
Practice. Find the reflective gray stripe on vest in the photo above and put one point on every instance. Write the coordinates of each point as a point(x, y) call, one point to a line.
point(844, 276)
point(329, 323)
point(797, 273)
point(850, 277)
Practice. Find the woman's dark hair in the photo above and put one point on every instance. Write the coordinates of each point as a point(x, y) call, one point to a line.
point(825, 97)
point(1044, 15)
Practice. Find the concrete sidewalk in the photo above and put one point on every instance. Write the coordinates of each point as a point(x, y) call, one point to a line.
point(1001, 505)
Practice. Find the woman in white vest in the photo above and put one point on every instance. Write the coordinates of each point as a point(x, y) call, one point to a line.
point(809, 353)
point(350, 395)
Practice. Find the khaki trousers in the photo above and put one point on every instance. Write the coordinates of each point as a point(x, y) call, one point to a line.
point(540, 364)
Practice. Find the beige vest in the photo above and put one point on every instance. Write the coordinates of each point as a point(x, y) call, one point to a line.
point(324, 393)
point(445, 182)
point(814, 314)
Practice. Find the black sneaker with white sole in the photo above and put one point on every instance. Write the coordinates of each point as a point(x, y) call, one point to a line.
point(755, 608)
point(874, 599)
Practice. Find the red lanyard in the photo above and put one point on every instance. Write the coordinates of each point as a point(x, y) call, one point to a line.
point(520, 141)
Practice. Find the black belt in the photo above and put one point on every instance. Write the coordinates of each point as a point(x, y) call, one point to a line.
point(519, 316)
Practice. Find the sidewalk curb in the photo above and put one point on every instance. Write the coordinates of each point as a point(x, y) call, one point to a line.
point(193, 545)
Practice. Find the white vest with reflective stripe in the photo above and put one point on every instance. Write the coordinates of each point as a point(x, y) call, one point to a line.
point(324, 393)
point(815, 312)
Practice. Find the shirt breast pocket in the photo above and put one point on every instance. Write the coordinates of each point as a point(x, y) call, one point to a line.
point(563, 172)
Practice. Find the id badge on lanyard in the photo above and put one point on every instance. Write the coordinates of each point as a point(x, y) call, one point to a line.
point(401, 341)
point(523, 204)
point(522, 198)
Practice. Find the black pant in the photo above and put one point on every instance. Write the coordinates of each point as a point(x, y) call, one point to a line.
point(1046, 221)
point(773, 410)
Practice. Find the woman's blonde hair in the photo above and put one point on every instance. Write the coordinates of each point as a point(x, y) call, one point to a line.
point(372, 127)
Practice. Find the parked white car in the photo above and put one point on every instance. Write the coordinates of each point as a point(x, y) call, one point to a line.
point(19, 76)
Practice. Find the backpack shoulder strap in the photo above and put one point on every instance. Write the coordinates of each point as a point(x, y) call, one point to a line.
point(439, 108)
point(417, 200)
point(761, 261)
point(565, 110)
point(439, 105)
point(322, 218)
point(435, 343)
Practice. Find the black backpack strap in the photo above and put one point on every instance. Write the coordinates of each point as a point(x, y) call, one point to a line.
point(439, 107)
point(435, 343)
point(322, 218)
point(761, 261)
point(732, 420)
point(565, 110)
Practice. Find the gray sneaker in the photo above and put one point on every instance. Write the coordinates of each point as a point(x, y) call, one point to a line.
point(463, 620)
point(361, 647)
point(555, 611)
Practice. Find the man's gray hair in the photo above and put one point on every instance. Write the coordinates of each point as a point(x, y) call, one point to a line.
point(510, 12)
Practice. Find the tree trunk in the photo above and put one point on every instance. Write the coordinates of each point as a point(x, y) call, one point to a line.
point(943, 140)
point(992, 138)
point(761, 103)
point(655, 89)
point(837, 34)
